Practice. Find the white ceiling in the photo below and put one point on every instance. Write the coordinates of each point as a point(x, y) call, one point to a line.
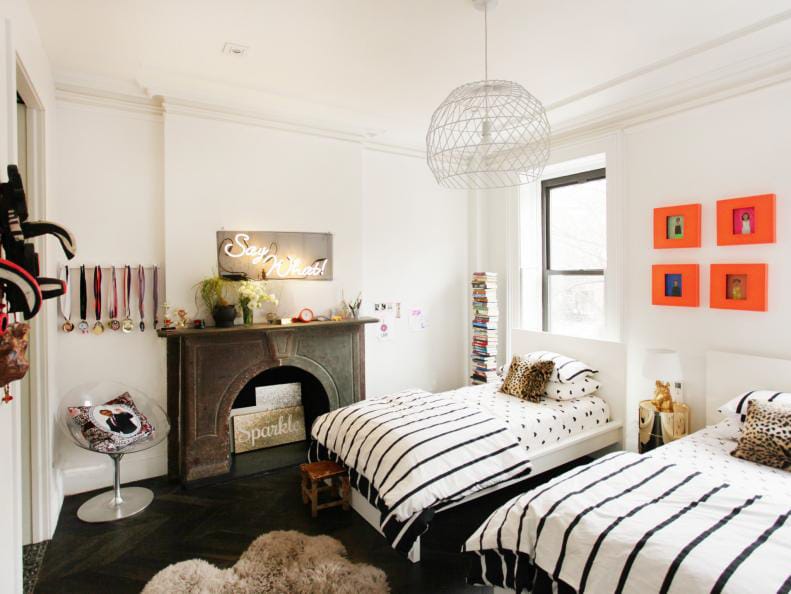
point(391, 62)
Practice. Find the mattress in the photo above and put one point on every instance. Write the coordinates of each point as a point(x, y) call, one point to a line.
point(537, 424)
point(708, 450)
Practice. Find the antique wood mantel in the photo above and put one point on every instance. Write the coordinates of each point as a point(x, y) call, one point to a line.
point(207, 368)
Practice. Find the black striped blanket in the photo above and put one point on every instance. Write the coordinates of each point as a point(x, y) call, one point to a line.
point(634, 524)
point(413, 452)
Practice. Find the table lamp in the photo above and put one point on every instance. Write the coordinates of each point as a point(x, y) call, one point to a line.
point(664, 367)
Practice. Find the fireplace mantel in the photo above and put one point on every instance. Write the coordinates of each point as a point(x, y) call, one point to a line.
point(207, 368)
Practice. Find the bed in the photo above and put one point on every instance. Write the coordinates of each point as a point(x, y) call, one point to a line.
point(687, 517)
point(508, 440)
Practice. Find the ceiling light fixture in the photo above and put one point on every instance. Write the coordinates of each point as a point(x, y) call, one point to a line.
point(488, 133)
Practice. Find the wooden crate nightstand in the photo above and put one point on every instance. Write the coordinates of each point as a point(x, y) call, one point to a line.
point(319, 472)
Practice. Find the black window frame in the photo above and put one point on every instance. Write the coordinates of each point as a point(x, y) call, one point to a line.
point(547, 186)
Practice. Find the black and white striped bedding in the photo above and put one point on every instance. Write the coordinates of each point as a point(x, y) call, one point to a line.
point(738, 406)
point(566, 368)
point(413, 452)
point(636, 524)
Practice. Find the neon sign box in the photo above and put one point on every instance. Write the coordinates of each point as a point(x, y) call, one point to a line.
point(275, 255)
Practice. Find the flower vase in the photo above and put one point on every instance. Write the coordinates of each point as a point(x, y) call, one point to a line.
point(247, 314)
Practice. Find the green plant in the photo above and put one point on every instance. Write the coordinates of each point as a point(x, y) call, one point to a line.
point(212, 291)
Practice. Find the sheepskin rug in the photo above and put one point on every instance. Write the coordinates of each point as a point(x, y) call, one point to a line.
point(283, 561)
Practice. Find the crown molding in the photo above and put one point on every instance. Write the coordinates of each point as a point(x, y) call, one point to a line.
point(95, 97)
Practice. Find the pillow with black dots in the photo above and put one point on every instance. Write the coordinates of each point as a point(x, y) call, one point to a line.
point(569, 391)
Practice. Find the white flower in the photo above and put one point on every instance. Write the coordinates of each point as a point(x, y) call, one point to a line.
point(254, 295)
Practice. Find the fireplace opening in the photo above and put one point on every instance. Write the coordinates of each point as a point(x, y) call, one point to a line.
point(279, 423)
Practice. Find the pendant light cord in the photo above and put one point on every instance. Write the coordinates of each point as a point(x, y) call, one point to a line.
point(486, 42)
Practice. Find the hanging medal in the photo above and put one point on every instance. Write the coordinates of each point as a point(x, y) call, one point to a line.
point(83, 325)
point(141, 295)
point(112, 301)
point(155, 289)
point(64, 301)
point(98, 327)
point(127, 325)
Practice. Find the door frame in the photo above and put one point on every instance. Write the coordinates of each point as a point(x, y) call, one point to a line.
point(42, 421)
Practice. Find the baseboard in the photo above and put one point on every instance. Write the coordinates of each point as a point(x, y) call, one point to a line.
point(96, 472)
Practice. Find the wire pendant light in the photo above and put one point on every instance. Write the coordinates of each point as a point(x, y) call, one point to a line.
point(488, 133)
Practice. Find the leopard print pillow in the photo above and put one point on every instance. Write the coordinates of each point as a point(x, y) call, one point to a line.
point(527, 380)
point(766, 435)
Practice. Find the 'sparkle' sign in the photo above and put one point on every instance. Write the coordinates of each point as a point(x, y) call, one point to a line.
point(275, 255)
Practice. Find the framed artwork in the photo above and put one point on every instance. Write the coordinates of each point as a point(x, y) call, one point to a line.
point(739, 286)
point(675, 284)
point(746, 220)
point(677, 226)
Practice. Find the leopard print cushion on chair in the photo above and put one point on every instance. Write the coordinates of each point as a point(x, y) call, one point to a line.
point(766, 435)
point(527, 380)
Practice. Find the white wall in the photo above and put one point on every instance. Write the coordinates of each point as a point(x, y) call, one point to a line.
point(738, 147)
point(414, 253)
point(735, 147)
point(110, 194)
point(174, 179)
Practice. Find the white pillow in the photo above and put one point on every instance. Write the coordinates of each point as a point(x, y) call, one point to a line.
point(738, 406)
point(729, 428)
point(566, 369)
point(571, 390)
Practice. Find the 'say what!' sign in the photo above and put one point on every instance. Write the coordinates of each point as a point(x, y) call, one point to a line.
point(275, 255)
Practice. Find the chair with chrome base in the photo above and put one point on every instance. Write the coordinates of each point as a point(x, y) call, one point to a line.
point(120, 502)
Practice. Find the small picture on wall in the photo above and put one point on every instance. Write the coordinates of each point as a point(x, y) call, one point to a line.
point(736, 286)
point(746, 220)
point(675, 284)
point(739, 286)
point(677, 226)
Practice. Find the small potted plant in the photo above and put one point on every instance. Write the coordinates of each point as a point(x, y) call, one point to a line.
point(213, 292)
point(252, 295)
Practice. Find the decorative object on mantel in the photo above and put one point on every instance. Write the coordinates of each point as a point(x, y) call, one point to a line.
point(489, 133)
point(126, 421)
point(353, 307)
point(183, 322)
point(739, 286)
point(677, 226)
point(213, 291)
point(279, 561)
point(274, 255)
point(167, 321)
point(675, 284)
point(304, 316)
point(748, 220)
point(252, 296)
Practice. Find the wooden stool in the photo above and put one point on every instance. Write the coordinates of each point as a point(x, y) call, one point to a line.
point(319, 472)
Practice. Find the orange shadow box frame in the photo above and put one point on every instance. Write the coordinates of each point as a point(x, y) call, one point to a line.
point(753, 286)
point(691, 236)
point(760, 211)
point(689, 276)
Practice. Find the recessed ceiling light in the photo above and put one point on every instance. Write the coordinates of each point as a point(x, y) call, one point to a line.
point(235, 49)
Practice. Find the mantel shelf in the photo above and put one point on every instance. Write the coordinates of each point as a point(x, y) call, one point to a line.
point(182, 332)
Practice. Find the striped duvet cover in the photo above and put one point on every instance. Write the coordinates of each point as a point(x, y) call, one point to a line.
point(414, 452)
point(635, 524)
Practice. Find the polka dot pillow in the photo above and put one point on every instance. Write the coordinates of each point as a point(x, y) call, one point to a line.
point(572, 390)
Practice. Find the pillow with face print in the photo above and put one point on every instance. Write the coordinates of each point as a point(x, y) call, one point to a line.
point(111, 426)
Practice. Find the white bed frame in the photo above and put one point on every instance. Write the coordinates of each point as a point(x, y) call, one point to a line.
point(730, 374)
point(727, 376)
point(609, 358)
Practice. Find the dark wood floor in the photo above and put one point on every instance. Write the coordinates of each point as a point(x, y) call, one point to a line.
point(218, 522)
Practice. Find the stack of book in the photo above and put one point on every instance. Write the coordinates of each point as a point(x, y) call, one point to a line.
point(484, 327)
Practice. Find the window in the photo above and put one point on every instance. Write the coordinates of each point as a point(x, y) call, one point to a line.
point(574, 253)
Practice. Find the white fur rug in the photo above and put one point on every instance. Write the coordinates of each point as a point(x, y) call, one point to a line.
point(281, 562)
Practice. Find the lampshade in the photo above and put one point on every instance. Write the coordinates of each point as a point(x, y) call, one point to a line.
point(662, 364)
